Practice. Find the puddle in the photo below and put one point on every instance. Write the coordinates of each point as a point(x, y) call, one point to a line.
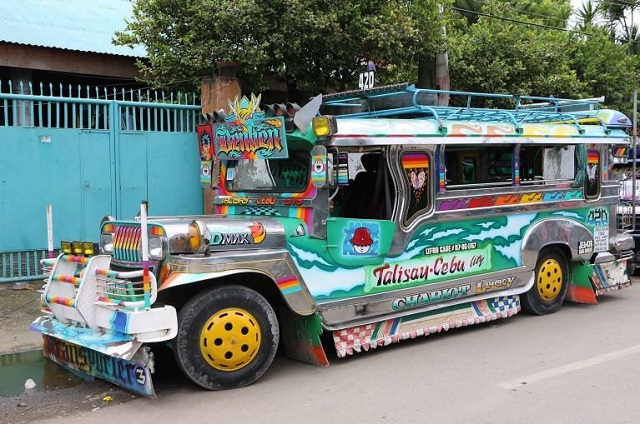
point(17, 368)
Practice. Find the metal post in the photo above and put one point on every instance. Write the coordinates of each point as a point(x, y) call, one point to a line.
point(49, 231)
point(634, 142)
point(144, 246)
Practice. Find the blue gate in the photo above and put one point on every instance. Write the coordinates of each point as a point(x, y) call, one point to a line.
point(89, 153)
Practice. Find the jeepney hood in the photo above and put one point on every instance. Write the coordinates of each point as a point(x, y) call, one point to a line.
point(223, 232)
point(232, 232)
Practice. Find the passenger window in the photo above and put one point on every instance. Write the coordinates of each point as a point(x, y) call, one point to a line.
point(592, 184)
point(416, 170)
point(472, 166)
point(547, 164)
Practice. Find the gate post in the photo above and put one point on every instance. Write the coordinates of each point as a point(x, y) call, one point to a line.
point(214, 95)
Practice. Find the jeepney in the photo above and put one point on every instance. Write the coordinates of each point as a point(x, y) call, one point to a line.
point(366, 217)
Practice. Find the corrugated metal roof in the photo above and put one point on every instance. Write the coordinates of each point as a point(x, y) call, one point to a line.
point(84, 25)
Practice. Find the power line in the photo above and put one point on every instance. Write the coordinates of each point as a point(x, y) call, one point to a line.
point(517, 21)
point(525, 12)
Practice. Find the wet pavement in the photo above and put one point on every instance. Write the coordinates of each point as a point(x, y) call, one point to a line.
point(19, 306)
point(57, 392)
point(16, 369)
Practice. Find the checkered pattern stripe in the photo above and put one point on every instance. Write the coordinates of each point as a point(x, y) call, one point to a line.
point(359, 338)
point(353, 338)
point(260, 210)
point(500, 304)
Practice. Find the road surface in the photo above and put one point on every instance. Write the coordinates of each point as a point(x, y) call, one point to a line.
point(580, 365)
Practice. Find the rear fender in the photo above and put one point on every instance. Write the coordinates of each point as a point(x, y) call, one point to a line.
point(555, 231)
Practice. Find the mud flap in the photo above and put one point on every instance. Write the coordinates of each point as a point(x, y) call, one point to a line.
point(588, 281)
point(581, 288)
point(115, 358)
point(301, 337)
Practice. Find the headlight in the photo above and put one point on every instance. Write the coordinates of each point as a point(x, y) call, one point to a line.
point(106, 243)
point(88, 248)
point(199, 236)
point(65, 246)
point(78, 248)
point(155, 248)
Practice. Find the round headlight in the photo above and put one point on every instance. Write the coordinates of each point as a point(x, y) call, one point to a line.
point(106, 242)
point(155, 248)
point(199, 236)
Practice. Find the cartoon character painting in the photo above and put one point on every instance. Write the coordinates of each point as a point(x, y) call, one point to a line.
point(361, 240)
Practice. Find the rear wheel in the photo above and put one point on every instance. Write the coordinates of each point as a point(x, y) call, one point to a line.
point(550, 286)
point(227, 337)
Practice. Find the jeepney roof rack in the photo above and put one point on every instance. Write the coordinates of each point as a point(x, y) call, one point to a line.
point(407, 101)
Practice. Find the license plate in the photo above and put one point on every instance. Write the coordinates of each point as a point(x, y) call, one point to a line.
point(134, 374)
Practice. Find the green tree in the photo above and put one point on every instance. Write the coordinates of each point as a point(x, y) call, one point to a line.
point(619, 15)
point(588, 15)
point(605, 67)
point(309, 44)
point(507, 51)
point(518, 50)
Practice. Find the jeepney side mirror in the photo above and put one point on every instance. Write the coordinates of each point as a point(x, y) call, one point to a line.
point(319, 166)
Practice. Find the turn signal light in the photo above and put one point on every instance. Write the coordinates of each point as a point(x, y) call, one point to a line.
point(324, 126)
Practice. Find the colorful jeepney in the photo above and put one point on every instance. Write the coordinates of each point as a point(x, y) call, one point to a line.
point(365, 217)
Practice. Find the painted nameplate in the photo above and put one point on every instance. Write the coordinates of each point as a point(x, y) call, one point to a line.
point(247, 134)
point(134, 375)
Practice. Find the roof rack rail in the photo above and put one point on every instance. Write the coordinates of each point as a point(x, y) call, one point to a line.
point(406, 101)
point(361, 94)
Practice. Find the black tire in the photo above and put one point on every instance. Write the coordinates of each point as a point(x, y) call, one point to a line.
point(550, 286)
point(227, 337)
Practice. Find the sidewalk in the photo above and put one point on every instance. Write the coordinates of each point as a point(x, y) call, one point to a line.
point(19, 306)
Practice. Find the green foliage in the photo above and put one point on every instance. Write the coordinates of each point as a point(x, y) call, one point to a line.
point(606, 68)
point(308, 44)
point(512, 50)
point(508, 52)
point(499, 46)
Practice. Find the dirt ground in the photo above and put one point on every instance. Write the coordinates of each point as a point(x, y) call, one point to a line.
point(65, 395)
point(19, 306)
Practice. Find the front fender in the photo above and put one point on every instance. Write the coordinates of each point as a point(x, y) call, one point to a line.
point(274, 264)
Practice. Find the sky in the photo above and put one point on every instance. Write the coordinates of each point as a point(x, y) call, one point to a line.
point(576, 3)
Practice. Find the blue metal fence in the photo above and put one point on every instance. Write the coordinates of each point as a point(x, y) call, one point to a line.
point(89, 152)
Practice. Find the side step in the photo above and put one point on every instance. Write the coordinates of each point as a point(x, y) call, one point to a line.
point(383, 333)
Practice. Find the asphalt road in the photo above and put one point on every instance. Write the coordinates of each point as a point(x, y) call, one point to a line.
point(580, 365)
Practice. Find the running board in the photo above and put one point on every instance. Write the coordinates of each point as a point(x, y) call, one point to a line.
point(383, 333)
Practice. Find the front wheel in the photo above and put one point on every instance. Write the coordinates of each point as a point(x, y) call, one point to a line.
point(227, 337)
point(550, 286)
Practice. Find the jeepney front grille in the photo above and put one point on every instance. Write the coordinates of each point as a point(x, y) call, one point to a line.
point(127, 244)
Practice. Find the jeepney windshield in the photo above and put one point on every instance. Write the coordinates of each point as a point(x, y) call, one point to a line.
point(279, 175)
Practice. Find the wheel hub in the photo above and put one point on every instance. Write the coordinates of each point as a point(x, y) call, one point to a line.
point(549, 281)
point(230, 339)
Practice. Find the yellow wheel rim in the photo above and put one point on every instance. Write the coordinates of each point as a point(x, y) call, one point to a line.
point(230, 339)
point(550, 279)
